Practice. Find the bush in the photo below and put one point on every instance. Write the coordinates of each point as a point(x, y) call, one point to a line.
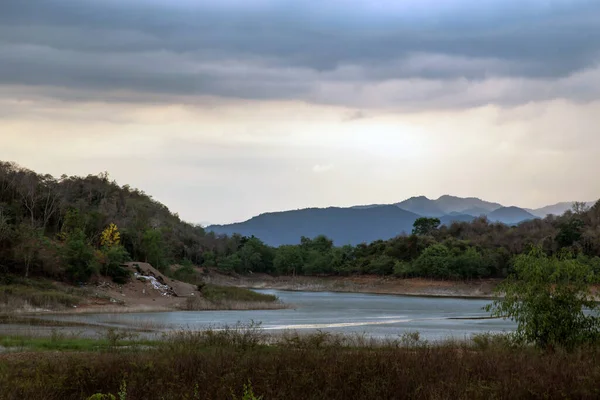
point(113, 258)
point(79, 257)
point(216, 294)
point(550, 300)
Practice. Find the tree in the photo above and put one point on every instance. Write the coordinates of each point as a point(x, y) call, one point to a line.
point(288, 260)
point(569, 232)
point(425, 226)
point(79, 257)
point(435, 262)
point(112, 260)
point(153, 248)
point(381, 265)
point(549, 298)
point(320, 243)
point(231, 263)
point(110, 236)
point(28, 244)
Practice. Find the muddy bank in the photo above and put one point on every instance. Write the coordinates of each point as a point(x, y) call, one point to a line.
point(362, 284)
point(148, 290)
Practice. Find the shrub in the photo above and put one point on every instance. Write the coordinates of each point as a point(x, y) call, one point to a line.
point(550, 300)
point(79, 257)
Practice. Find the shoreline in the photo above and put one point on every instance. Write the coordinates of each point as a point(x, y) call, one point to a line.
point(379, 293)
point(137, 309)
point(366, 284)
point(134, 303)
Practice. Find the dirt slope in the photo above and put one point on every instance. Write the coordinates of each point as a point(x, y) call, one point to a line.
point(147, 290)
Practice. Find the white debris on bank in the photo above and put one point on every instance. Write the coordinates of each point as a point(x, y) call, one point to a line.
point(164, 289)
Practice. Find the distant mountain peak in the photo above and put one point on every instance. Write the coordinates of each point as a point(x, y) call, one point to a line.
point(510, 215)
point(367, 223)
point(447, 204)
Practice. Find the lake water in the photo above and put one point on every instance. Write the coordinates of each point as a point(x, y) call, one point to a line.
point(380, 316)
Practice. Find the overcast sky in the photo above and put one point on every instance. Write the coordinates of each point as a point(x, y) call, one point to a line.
point(226, 109)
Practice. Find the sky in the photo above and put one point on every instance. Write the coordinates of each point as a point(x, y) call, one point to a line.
point(226, 109)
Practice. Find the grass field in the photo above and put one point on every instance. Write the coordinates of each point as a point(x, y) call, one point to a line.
point(219, 364)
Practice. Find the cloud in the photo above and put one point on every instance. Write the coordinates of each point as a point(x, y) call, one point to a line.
point(415, 54)
point(318, 168)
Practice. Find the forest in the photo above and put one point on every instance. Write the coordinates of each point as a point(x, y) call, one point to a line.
point(74, 228)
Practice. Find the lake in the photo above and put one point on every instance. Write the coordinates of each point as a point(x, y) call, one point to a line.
point(380, 316)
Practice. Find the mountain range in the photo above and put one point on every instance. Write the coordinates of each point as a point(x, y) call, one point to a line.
point(367, 223)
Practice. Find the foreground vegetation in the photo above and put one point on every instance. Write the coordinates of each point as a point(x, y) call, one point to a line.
point(552, 354)
point(225, 364)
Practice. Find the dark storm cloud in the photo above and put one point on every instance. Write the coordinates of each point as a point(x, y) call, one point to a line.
point(315, 51)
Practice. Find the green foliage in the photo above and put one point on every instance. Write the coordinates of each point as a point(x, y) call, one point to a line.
point(435, 262)
point(425, 226)
point(113, 258)
point(16, 294)
point(100, 396)
point(230, 263)
point(550, 300)
point(153, 248)
point(248, 393)
point(186, 273)
point(569, 232)
point(79, 257)
point(288, 260)
point(73, 221)
point(255, 256)
point(381, 265)
point(217, 294)
point(56, 228)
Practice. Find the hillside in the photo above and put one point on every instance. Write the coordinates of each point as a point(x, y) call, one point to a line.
point(510, 215)
point(343, 225)
point(447, 205)
point(555, 209)
point(423, 206)
point(367, 223)
point(466, 205)
point(449, 219)
point(83, 229)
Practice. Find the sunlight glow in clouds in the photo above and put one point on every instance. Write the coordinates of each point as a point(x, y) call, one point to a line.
point(227, 109)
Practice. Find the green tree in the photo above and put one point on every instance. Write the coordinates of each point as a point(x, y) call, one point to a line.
point(288, 260)
point(435, 262)
point(255, 256)
point(381, 265)
point(549, 298)
point(230, 263)
point(153, 248)
point(79, 257)
point(28, 245)
point(113, 258)
point(569, 232)
point(320, 243)
point(425, 226)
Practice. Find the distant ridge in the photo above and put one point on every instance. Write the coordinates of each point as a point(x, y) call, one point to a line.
point(510, 215)
point(556, 209)
point(446, 205)
point(367, 223)
point(343, 225)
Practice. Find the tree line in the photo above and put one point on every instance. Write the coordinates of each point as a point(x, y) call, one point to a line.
point(76, 227)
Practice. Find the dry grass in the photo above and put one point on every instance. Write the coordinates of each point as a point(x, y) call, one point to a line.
point(216, 297)
point(201, 304)
point(28, 298)
point(216, 364)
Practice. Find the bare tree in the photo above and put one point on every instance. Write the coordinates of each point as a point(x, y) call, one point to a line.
point(579, 207)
